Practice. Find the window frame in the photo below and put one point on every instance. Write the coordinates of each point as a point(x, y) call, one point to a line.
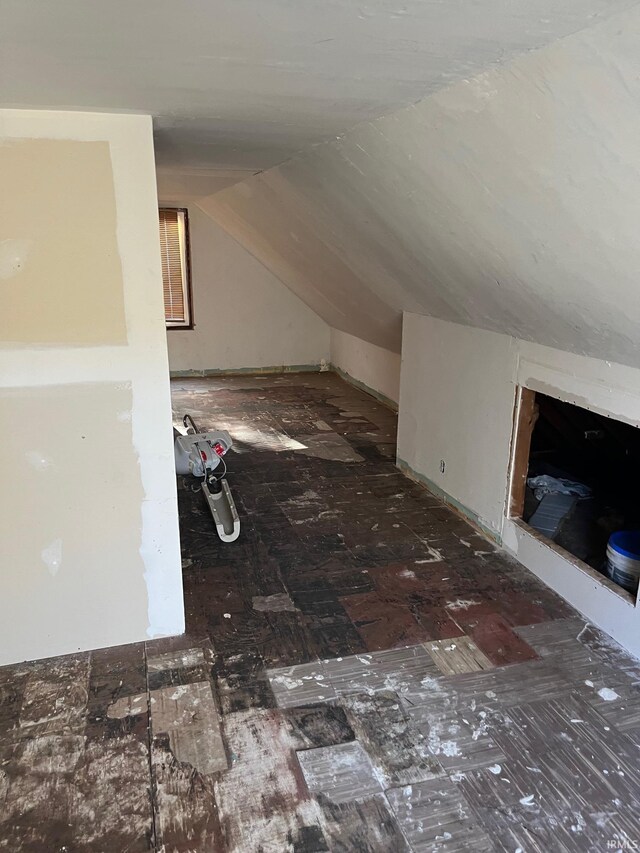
point(187, 324)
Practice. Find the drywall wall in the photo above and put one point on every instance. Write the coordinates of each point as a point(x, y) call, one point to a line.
point(73, 484)
point(244, 316)
point(508, 201)
point(457, 397)
point(375, 368)
point(59, 288)
point(456, 408)
point(89, 534)
point(248, 84)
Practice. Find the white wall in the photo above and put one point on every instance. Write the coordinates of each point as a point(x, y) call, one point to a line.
point(375, 367)
point(89, 524)
point(457, 396)
point(456, 406)
point(244, 316)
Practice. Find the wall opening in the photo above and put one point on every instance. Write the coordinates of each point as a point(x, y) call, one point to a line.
point(576, 484)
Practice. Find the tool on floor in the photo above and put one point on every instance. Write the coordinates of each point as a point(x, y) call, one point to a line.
point(201, 455)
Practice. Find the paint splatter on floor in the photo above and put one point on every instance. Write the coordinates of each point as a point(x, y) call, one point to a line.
point(361, 672)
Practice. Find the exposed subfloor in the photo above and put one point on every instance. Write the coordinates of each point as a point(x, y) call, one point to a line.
point(361, 672)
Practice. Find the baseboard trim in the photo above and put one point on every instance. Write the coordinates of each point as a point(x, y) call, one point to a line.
point(256, 371)
point(468, 514)
point(361, 386)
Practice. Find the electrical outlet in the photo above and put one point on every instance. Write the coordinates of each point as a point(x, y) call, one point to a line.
point(442, 466)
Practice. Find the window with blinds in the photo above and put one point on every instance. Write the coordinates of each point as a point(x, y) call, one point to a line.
point(174, 249)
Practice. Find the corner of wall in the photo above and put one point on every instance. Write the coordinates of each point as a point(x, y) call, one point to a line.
point(245, 317)
point(370, 367)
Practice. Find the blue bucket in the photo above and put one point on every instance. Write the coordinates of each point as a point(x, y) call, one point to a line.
point(623, 559)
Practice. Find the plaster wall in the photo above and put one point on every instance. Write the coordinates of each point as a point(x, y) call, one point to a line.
point(49, 307)
point(89, 531)
point(244, 316)
point(507, 201)
point(457, 397)
point(374, 367)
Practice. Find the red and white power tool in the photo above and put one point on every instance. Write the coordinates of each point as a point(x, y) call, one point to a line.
point(201, 455)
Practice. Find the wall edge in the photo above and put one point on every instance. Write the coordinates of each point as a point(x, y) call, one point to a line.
point(468, 514)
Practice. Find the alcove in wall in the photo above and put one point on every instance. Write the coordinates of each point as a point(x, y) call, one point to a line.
point(576, 481)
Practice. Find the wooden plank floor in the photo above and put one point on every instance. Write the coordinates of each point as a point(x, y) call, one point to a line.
point(361, 672)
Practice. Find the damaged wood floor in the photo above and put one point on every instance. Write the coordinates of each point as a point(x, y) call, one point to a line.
point(361, 672)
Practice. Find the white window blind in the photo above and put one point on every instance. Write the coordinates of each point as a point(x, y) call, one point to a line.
point(175, 268)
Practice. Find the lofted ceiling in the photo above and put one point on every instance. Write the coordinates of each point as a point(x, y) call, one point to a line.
point(509, 201)
point(241, 85)
point(380, 156)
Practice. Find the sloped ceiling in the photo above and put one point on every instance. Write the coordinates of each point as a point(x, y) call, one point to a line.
point(245, 84)
point(510, 201)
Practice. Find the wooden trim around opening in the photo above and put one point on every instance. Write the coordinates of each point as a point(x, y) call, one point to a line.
point(525, 418)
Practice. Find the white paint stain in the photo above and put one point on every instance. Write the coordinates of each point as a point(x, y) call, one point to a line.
point(439, 746)
point(406, 573)
point(608, 694)
point(37, 460)
point(580, 825)
point(52, 557)
point(460, 604)
point(305, 498)
point(434, 555)
point(175, 660)
point(127, 706)
point(179, 692)
point(449, 747)
point(527, 801)
point(587, 625)
point(430, 683)
point(496, 769)
point(287, 682)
